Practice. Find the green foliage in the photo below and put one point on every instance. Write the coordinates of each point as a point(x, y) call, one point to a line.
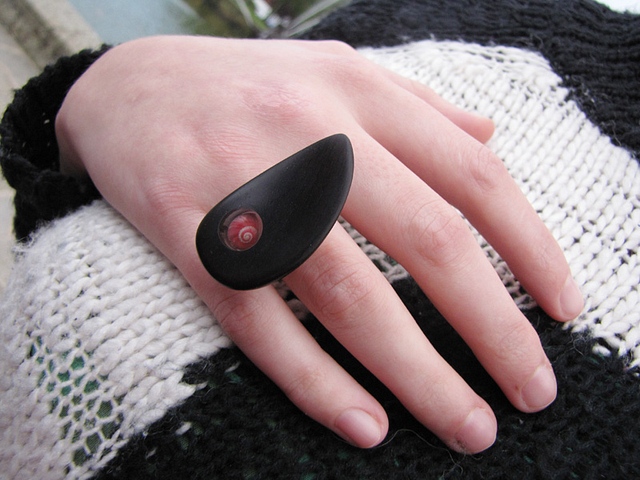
point(264, 18)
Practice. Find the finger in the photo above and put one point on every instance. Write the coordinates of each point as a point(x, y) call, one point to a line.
point(479, 127)
point(266, 330)
point(427, 236)
point(261, 324)
point(469, 176)
point(355, 302)
point(361, 73)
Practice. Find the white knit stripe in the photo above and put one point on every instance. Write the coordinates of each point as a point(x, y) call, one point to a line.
point(97, 331)
point(97, 327)
point(630, 6)
point(585, 189)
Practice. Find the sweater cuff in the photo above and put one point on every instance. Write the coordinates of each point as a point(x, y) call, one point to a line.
point(29, 149)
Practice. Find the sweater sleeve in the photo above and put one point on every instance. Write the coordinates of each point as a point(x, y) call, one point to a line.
point(29, 149)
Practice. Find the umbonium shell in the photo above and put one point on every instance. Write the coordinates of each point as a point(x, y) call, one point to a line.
point(241, 230)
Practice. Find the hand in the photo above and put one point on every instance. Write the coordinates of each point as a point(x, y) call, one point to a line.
point(168, 126)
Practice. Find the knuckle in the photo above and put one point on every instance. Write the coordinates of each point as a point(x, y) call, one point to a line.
point(512, 347)
point(229, 143)
point(237, 313)
point(280, 101)
point(167, 198)
point(543, 259)
point(432, 391)
point(337, 47)
point(354, 71)
point(343, 291)
point(438, 234)
point(306, 386)
point(486, 170)
point(548, 260)
point(161, 194)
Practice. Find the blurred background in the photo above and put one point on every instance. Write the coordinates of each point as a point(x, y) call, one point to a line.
point(120, 20)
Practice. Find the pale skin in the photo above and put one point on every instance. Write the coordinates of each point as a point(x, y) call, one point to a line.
point(168, 126)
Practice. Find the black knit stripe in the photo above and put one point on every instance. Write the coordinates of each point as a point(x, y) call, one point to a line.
point(264, 436)
point(29, 149)
point(595, 50)
point(241, 426)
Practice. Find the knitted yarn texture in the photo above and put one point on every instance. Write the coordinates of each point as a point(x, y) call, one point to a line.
point(111, 327)
point(583, 187)
point(97, 331)
point(113, 368)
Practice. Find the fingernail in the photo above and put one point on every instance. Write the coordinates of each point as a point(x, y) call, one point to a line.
point(359, 428)
point(571, 300)
point(478, 432)
point(541, 389)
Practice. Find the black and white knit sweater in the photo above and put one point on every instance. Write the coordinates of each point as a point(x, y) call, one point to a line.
point(113, 368)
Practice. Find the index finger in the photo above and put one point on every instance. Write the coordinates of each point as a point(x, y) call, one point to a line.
point(473, 179)
point(429, 238)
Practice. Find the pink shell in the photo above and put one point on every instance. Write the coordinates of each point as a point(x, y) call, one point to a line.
point(243, 231)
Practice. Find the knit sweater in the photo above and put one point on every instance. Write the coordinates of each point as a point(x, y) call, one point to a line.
point(113, 367)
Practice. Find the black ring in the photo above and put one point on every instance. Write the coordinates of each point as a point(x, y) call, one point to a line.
point(289, 209)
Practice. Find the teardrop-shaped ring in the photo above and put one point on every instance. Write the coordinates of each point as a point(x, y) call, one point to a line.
point(272, 224)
